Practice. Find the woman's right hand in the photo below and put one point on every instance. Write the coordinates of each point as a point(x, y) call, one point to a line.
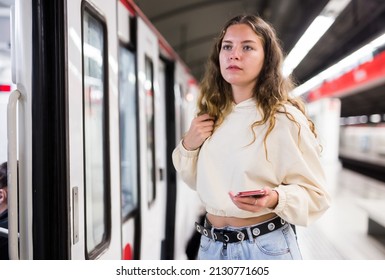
point(200, 129)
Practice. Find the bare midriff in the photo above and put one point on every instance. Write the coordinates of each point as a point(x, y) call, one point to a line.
point(220, 221)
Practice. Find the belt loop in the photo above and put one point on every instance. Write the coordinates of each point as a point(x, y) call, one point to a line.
point(250, 234)
point(224, 249)
point(213, 235)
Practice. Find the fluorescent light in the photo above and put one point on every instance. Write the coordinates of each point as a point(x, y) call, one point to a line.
point(312, 35)
point(315, 31)
point(375, 118)
point(346, 64)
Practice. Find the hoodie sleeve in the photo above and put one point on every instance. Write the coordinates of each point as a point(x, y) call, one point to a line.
point(303, 197)
point(185, 163)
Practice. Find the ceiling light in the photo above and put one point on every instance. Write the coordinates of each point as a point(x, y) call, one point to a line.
point(353, 60)
point(312, 35)
point(375, 118)
point(306, 43)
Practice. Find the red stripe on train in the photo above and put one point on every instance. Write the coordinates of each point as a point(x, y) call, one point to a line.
point(366, 74)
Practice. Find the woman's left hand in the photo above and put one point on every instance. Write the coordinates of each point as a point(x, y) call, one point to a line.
point(253, 204)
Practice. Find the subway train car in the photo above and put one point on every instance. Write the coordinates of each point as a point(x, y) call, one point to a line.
point(101, 100)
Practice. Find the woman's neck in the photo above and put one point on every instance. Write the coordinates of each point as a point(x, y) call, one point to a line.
point(241, 94)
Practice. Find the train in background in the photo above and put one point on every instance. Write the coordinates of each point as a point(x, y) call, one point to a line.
point(362, 146)
point(5, 75)
point(357, 84)
point(100, 102)
point(5, 90)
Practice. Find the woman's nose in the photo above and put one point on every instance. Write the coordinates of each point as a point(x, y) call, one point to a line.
point(234, 54)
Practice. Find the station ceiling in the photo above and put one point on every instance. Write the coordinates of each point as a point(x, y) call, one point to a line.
point(190, 26)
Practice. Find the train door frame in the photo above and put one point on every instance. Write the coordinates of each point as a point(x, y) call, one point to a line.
point(21, 52)
point(49, 132)
point(41, 208)
point(168, 246)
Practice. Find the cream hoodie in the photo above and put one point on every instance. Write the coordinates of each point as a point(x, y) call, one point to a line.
point(228, 162)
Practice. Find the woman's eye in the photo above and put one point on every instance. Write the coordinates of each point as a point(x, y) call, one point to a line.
point(226, 47)
point(247, 48)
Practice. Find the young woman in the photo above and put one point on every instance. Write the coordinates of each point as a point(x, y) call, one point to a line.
point(249, 134)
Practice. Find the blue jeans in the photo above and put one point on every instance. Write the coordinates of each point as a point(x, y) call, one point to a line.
point(280, 244)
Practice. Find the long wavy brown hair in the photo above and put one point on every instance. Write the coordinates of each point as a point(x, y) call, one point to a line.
point(271, 90)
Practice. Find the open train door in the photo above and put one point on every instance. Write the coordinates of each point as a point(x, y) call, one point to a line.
point(93, 130)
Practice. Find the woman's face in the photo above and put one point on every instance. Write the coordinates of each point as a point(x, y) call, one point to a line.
point(241, 56)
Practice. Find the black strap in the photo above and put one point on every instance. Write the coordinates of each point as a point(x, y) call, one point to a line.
point(230, 236)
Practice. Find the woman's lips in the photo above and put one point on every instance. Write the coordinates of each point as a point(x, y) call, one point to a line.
point(233, 67)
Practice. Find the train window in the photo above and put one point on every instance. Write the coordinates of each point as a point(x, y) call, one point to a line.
point(128, 131)
point(150, 123)
point(95, 134)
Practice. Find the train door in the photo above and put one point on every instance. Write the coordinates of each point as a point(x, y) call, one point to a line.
point(93, 130)
point(152, 149)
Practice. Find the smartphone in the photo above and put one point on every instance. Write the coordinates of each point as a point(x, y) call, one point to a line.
point(255, 193)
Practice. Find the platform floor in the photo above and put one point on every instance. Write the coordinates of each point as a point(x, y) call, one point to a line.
point(341, 234)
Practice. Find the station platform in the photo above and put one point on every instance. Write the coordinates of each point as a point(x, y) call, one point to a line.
point(342, 233)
